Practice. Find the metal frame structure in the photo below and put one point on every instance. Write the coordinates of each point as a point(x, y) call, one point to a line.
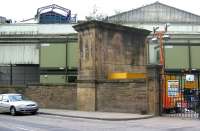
point(53, 6)
point(181, 99)
point(50, 8)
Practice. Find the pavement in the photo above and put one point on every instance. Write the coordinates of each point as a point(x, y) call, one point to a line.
point(110, 116)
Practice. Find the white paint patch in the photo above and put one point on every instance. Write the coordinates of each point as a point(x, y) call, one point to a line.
point(169, 46)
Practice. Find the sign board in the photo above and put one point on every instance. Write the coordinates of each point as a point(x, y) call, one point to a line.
point(189, 77)
point(173, 88)
point(191, 84)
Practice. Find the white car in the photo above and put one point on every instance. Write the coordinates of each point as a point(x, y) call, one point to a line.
point(15, 103)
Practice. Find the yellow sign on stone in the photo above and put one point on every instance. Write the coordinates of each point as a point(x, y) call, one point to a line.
point(125, 75)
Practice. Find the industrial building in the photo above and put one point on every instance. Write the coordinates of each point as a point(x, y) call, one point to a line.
point(43, 51)
point(183, 30)
point(178, 55)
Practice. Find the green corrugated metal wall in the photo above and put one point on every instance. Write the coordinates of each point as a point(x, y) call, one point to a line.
point(182, 57)
point(195, 54)
point(53, 55)
point(56, 56)
point(72, 55)
point(176, 57)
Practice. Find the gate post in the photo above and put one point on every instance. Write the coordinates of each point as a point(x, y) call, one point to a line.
point(105, 49)
point(154, 90)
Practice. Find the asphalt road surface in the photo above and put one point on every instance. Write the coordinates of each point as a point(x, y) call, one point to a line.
point(56, 123)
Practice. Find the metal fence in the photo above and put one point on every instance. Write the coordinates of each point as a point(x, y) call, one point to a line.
point(181, 95)
point(19, 74)
point(32, 74)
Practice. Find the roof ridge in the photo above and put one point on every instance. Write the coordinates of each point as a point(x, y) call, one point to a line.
point(158, 6)
point(176, 8)
point(157, 2)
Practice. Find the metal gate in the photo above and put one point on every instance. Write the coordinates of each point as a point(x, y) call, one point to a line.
point(181, 95)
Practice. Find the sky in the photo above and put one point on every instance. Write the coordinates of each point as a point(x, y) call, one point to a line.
point(19, 10)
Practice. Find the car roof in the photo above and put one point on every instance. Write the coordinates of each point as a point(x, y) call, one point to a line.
point(11, 94)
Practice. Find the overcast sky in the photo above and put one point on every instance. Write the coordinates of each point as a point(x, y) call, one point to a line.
point(24, 9)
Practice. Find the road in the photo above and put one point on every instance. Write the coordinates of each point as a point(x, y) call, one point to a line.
point(41, 122)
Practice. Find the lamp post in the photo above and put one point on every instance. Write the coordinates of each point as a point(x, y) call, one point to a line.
point(160, 36)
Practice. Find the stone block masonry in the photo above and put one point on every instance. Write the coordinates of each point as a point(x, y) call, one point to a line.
point(122, 97)
point(49, 96)
point(109, 48)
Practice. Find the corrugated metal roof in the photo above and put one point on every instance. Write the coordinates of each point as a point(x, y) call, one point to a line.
point(36, 29)
point(154, 13)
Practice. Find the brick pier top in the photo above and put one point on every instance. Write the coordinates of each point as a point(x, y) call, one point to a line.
point(100, 24)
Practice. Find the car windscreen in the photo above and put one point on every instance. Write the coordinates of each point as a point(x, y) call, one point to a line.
point(15, 98)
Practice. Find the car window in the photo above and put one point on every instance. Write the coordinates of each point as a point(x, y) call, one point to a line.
point(5, 98)
point(1, 97)
point(15, 98)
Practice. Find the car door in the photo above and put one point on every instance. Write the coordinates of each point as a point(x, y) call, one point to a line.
point(5, 104)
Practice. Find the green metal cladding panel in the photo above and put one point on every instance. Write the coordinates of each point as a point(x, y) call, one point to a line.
point(53, 79)
point(195, 57)
point(53, 55)
point(176, 57)
point(72, 55)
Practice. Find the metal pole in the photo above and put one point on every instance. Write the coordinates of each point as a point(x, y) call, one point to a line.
point(11, 74)
point(160, 36)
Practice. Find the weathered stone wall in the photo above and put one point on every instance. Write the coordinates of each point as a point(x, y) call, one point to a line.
point(86, 97)
point(107, 48)
point(136, 96)
point(119, 51)
point(154, 90)
point(12, 89)
point(60, 97)
point(122, 97)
